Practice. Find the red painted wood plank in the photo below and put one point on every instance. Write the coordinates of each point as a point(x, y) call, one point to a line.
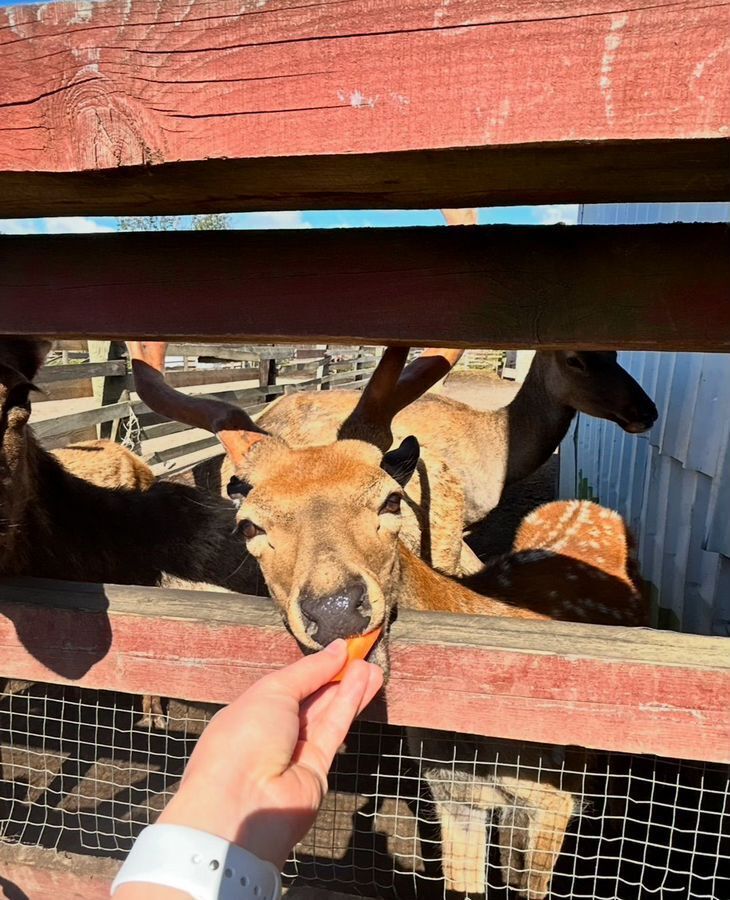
point(615, 689)
point(37, 873)
point(136, 88)
point(40, 883)
point(644, 287)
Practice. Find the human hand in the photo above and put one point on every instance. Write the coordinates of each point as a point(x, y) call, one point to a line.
point(258, 774)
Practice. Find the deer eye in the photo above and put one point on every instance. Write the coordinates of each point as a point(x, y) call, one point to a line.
point(247, 528)
point(392, 504)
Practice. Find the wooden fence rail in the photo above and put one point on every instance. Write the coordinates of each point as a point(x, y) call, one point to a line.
point(385, 104)
point(270, 370)
point(625, 689)
point(624, 287)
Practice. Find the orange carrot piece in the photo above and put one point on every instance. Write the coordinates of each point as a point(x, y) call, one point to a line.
point(358, 647)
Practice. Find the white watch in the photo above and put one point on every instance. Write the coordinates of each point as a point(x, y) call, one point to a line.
point(204, 866)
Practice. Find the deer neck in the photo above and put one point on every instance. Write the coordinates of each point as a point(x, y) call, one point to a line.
point(421, 588)
point(533, 424)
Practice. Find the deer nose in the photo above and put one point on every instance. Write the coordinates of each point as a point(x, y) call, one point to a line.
point(340, 615)
point(642, 417)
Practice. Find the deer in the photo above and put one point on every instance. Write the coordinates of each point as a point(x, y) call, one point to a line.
point(106, 464)
point(324, 524)
point(55, 524)
point(468, 456)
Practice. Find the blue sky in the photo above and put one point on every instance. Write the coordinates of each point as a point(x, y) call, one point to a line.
point(364, 218)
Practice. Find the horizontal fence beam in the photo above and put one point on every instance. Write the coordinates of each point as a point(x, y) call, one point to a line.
point(651, 287)
point(52, 374)
point(369, 103)
point(37, 873)
point(632, 690)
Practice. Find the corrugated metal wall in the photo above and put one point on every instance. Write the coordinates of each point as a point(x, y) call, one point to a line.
point(672, 484)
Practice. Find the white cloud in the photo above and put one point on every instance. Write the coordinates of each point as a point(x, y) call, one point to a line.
point(58, 225)
point(75, 225)
point(269, 220)
point(20, 226)
point(551, 215)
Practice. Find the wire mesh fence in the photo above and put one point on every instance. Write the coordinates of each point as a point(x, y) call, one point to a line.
point(408, 814)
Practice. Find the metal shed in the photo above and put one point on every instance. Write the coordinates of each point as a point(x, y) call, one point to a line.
point(673, 483)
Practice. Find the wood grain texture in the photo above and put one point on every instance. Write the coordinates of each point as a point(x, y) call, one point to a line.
point(39, 874)
point(634, 690)
point(142, 106)
point(643, 287)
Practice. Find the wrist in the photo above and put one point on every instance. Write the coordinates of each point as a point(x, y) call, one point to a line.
point(167, 859)
point(266, 836)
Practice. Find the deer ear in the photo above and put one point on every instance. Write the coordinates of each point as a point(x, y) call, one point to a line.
point(238, 489)
point(401, 463)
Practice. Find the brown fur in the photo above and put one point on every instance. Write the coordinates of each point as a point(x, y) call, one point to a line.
point(56, 525)
point(106, 464)
point(318, 511)
point(468, 456)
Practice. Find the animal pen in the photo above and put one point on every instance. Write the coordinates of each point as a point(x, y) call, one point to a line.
point(140, 107)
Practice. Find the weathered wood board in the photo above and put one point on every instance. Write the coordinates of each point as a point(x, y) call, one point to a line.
point(650, 287)
point(633, 690)
point(152, 106)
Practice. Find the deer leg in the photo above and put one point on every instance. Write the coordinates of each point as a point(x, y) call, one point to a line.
point(152, 713)
point(514, 823)
point(536, 823)
point(463, 847)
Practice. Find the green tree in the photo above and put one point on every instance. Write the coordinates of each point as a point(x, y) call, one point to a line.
point(212, 222)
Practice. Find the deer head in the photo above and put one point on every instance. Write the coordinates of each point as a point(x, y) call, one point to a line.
point(323, 522)
point(595, 383)
point(20, 359)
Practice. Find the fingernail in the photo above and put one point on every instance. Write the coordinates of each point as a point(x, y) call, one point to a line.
point(335, 648)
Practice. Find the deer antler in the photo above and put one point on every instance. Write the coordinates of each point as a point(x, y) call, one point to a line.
point(372, 417)
point(233, 427)
point(423, 373)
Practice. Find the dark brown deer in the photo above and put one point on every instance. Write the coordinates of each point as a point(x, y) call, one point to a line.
point(54, 524)
point(324, 524)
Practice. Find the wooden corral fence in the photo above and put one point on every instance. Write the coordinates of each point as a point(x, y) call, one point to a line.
point(625, 689)
point(249, 375)
point(134, 107)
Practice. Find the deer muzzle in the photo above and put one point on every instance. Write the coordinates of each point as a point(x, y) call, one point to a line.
point(343, 614)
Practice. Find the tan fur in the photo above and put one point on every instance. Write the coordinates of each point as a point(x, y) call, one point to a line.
point(323, 523)
point(106, 464)
point(318, 511)
point(469, 456)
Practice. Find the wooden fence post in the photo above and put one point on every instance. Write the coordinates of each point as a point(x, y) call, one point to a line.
point(325, 370)
point(267, 376)
point(109, 388)
point(360, 363)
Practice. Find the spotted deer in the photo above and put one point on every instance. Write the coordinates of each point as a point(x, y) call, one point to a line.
point(324, 523)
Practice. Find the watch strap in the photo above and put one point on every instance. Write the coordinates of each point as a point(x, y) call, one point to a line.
point(203, 865)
